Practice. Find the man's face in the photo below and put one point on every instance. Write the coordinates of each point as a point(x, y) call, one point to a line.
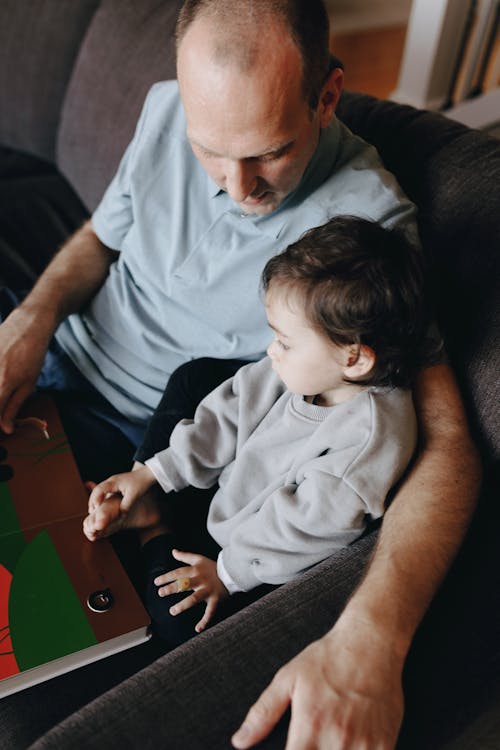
point(253, 132)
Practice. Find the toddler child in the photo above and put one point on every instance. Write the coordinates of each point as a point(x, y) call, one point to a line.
point(303, 446)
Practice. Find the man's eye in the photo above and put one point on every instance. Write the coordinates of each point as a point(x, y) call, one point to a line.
point(275, 155)
point(202, 152)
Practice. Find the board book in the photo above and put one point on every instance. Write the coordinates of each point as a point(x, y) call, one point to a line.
point(64, 601)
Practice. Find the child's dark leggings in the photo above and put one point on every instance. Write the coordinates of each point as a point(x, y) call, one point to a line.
point(186, 511)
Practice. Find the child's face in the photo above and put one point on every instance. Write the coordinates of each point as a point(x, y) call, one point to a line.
point(307, 361)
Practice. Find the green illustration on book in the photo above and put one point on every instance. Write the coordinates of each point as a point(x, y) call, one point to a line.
point(42, 617)
point(50, 574)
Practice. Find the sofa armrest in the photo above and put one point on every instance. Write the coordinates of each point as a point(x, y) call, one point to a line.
point(196, 696)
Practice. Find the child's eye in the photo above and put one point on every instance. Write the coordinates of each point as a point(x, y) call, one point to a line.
point(283, 346)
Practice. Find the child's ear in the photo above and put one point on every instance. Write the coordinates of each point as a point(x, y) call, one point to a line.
point(360, 360)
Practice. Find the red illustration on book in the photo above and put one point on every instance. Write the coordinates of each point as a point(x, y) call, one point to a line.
point(49, 571)
point(8, 663)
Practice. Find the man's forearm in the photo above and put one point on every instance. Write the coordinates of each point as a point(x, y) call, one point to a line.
point(427, 520)
point(70, 280)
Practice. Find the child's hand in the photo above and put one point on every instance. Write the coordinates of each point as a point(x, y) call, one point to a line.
point(201, 578)
point(122, 501)
point(130, 486)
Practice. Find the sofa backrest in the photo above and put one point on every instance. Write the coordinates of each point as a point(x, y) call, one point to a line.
point(74, 75)
point(453, 175)
point(128, 46)
point(39, 43)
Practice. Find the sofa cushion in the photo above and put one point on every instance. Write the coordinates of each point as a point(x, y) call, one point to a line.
point(453, 174)
point(37, 54)
point(128, 48)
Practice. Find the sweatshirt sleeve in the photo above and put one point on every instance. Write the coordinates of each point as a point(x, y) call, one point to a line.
point(200, 448)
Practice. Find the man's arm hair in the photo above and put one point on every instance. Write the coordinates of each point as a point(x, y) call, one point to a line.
point(71, 279)
point(429, 516)
point(69, 282)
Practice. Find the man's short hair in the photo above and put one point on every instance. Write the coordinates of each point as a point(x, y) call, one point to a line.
point(307, 21)
point(360, 284)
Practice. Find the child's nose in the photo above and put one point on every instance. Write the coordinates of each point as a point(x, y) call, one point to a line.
point(272, 349)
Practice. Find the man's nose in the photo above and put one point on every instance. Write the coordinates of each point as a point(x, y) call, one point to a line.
point(240, 180)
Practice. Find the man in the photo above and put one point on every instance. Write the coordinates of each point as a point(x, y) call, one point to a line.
point(167, 270)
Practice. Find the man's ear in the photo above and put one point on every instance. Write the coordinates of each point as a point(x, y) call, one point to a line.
point(360, 360)
point(330, 95)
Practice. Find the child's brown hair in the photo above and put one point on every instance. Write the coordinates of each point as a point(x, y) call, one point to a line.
point(364, 285)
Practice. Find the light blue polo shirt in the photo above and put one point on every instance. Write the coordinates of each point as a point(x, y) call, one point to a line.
point(186, 282)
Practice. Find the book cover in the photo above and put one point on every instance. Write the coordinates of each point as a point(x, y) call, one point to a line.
point(64, 601)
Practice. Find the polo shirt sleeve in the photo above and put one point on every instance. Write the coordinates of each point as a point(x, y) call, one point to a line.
point(114, 215)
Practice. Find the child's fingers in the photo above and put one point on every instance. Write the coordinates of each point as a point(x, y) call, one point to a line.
point(95, 499)
point(93, 524)
point(188, 557)
point(184, 604)
point(89, 528)
point(209, 613)
point(100, 491)
point(173, 575)
point(173, 588)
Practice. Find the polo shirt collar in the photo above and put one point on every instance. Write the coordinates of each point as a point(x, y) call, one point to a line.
point(213, 189)
point(317, 171)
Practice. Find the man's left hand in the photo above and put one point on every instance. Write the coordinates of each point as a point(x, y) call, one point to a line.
point(344, 695)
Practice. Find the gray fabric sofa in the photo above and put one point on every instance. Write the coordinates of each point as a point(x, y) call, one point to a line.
point(73, 76)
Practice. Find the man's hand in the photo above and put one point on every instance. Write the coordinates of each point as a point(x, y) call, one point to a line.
point(22, 350)
point(201, 577)
point(70, 280)
point(345, 694)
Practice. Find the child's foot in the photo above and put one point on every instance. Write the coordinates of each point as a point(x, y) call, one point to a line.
point(108, 518)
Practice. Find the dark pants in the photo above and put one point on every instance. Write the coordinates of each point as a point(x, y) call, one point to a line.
point(185, 512)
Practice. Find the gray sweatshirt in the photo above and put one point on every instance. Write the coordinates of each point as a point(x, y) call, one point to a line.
point(296, 480)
